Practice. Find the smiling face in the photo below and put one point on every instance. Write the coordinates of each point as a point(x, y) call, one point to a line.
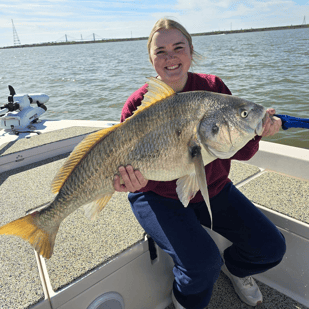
point(171, 57)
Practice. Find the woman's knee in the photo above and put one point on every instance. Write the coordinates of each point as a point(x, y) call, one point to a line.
point(270, 250)
point(276, 249)
point(198, 276)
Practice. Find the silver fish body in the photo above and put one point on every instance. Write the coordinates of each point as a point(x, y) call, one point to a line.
point(171, 136)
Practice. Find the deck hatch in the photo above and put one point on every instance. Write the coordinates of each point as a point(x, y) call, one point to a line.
point(110, 300)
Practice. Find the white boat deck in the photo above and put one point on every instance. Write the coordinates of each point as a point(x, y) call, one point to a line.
point(111, 254)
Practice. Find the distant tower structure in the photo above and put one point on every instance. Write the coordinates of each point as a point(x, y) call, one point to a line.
point(304, 21)
point(15, 35)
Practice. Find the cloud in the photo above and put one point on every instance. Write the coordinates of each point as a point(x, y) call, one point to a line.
point(44, 21)
point(48, 20)
point(210, 15)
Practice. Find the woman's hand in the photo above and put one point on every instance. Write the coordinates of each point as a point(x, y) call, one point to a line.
point(133, 180)
point(272, 123)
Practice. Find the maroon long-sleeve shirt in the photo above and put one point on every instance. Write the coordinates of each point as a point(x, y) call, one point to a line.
point(217, 171)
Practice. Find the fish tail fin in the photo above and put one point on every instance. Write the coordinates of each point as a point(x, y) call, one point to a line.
point(26, 228)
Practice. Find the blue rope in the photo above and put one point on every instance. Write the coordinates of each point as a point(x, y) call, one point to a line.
point(293, 122)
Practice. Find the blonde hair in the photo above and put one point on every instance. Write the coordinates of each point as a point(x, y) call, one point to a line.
point(165, 23)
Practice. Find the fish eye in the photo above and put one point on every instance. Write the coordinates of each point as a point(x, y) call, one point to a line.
point(215, 129)
point(244, 114)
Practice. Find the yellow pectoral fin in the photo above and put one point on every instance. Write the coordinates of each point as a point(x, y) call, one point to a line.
point(197, 159)
point(93, 209)
point(25, 227)
point(202, 182)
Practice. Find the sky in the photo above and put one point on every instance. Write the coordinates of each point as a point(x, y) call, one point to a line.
point(51, 20)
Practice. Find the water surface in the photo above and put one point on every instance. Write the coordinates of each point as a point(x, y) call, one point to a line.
point(92, 81)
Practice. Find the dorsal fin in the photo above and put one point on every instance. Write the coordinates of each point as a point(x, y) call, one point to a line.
point(79, 152)
point(157, 91)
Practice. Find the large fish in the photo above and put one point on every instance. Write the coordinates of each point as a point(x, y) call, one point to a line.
point(170, 136)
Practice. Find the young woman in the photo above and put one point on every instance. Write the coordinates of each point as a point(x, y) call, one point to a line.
point(257, 245)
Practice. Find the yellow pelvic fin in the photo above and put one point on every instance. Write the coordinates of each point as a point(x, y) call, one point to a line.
point(157, 91)
point(79, 152)
point(42, 241)
point(186, 189)
point(93, 209)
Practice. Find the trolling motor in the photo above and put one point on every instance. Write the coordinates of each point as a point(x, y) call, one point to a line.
point(22, 110)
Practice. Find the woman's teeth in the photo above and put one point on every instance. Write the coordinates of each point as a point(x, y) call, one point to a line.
point(173, 67)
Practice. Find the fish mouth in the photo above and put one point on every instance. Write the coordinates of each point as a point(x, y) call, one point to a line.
point(264, 118)
point(260, 127)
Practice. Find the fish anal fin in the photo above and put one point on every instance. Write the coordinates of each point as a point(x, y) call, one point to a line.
point(79, 152)
point(157, 91)
point(42, 241)
point(93, 209)
point(187, 186)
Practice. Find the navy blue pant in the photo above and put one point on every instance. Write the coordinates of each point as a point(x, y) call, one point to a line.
point(257, 243)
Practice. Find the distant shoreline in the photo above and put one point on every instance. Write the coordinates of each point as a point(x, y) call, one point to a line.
point(146, 38)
